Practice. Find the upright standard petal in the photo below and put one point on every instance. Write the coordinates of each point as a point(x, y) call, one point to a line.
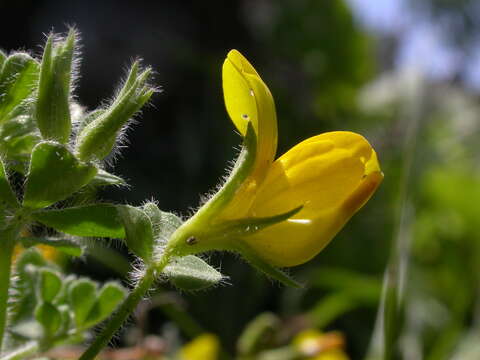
point(248, 99)
point(332, 175)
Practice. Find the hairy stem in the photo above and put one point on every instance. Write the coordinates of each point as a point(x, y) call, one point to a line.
point(128, 306)
point(7, 244)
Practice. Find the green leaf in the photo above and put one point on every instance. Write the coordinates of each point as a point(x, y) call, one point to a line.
point(109, 297)
point(17, 81)
point(82, 298)
point(104, 178)
point(49, 317)
point(258, 334)
point(98, 137)
point(139, 232)
point(49, 285)
point(18, 138)
point(100, 220)
point(164, 223)
point(6, 194)
point(66, 246)
point(54, 174)
point(192, 273)
point(331, 307)
point(155, 216)
point(53, 102)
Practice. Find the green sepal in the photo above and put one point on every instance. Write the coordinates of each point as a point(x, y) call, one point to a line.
point(54, 174)
point(191, 273)
point(138, 230)
point(97, 138)
point(66, 246)
point(269, 270)
point(99, 220)
point(18, 78)
point(52, 109)
point(201, 222)
point(6, 194)
point(104, 178)
point(49, 285)
point(82, 298)
point(108, 299)
point(49, 317)
point(248, 226)
point(240, 172)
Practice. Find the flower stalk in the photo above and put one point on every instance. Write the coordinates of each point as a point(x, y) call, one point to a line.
point(127, 307)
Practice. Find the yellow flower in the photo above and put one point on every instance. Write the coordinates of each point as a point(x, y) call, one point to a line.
point(315, 345)
point(327, 178)
point(203, 347)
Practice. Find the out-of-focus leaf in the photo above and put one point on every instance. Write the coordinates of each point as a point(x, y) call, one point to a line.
point(139, 231)
point(17, 81)
point(49, 285)
point(100, 220)
point(66, 246)
point(50, 318)
point(330, 308)
point(82, 298)
point(192, 273)
point(359, 286)
point(54, 175)
point(258, 333)
point(109, 297)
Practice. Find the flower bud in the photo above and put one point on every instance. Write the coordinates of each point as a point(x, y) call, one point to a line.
point(52, 109)
point(97, 138)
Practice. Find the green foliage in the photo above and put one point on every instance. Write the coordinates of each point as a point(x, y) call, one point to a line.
point(97, 139)
point(82, 297)
point(54, 174)
point(18, 77)
point(52, 110)
point(138, 230)
point(51, 308)
point(67, 246)
point(107, 300)
point(192, 273)
point(49, 317)
point(49, 285)
point(99, 220)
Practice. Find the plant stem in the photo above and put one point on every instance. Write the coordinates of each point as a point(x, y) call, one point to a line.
point(7, 244)
point(29, 349)
point(125, 309)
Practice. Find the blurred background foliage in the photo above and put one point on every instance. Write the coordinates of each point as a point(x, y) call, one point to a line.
point(402, 73)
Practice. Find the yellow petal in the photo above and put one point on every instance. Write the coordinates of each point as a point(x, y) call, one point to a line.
point(332, 175)
point(204, 347)
point(247, 98)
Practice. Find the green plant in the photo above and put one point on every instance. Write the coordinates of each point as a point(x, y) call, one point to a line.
point(53, 161)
